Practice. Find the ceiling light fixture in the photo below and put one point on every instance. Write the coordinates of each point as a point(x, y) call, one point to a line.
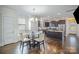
point(34, 18)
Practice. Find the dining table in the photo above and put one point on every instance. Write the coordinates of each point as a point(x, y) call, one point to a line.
point(31, 42)
point(32, 36)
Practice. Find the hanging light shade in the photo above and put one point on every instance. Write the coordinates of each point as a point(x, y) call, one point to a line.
point(34, 18)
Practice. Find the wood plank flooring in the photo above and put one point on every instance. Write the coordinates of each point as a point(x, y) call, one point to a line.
point(52, 46)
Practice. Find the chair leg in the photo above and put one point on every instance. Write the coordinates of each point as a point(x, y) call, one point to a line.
point(20, 44)
point(29, 44)
point(22, 47)
point(35, 44)
point(39, 45)
point(43, 45)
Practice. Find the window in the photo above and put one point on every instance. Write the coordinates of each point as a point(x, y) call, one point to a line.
point(21, 24)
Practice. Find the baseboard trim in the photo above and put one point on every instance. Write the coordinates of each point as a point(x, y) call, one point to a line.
point(9, 43)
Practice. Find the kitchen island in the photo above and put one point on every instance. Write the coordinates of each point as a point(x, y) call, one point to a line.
point(59, 35)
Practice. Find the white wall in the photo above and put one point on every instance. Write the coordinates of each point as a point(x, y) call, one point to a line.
point(10, 25)
point(9, 22)
point(68, 25)
point(78, 30)
point(0, 30)
point(27, 23)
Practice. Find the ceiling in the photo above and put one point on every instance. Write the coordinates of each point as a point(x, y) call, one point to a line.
point(45, 10)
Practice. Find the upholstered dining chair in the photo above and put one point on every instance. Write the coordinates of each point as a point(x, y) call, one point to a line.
point(40, 40)
point(24, 39)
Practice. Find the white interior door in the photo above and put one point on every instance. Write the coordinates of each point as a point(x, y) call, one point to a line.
point(8, 30)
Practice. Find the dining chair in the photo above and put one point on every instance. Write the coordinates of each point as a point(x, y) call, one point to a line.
point(40, 40)
point(33, 42)
point(24, 39)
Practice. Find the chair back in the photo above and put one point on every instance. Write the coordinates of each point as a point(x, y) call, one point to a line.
point(40, 36)
point(23, 36)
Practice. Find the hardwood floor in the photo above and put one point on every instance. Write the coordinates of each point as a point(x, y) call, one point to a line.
point(15, 49)
point(72, 44)
point(52, 46)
